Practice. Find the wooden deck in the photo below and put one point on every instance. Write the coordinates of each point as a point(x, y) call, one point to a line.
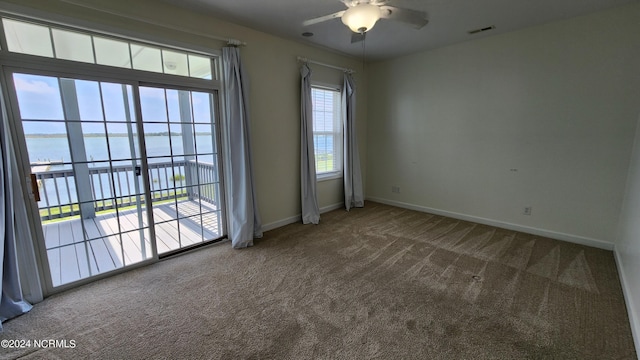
point(109, 242)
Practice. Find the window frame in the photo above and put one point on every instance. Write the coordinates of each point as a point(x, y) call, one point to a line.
point(95, 30)
point(338, 134)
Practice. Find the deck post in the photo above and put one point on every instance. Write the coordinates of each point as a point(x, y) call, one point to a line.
point(191, 172)
point(77, 148)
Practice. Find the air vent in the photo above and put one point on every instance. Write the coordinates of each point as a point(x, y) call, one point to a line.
point(476, 31)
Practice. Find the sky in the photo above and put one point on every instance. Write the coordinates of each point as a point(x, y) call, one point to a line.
point(39, 98)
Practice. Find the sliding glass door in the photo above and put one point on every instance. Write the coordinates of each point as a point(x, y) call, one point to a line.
point(101, 153)
point(82, 143)
point(181, 146)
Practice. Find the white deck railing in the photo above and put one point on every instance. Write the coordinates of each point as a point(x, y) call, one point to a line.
point(118, 186)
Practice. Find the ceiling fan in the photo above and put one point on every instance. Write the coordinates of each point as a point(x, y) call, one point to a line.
point(361, 15)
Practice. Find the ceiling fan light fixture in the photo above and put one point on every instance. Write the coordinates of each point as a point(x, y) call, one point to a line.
point(362, 17)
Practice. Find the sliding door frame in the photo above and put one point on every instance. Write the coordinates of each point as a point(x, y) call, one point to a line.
point(20, 63)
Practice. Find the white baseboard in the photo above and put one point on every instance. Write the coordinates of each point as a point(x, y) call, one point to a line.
point(601, 244)
point(281, 223)
point(296, 218)
point(633, 316)
point(331, 207)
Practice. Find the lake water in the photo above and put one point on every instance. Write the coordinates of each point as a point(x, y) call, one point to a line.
point(56, 149)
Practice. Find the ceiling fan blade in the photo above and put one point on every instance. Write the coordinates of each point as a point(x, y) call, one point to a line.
point(357, 37)
point(415, 18)
point(323, 18)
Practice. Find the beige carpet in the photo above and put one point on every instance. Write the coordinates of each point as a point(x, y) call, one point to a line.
point(375, 283)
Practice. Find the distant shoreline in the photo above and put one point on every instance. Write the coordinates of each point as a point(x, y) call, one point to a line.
point(40, 136)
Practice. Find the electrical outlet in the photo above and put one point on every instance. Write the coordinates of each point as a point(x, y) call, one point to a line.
point(527, 210)
point(395, 189)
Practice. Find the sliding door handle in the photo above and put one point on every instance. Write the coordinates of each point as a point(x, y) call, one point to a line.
point(34, 188)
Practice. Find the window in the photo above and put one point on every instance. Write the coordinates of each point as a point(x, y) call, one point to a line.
point(48, 41)
point(327, 131)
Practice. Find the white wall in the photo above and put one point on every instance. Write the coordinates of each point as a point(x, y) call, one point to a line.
point(628, 245)
point(557, 102)
point(274, 90)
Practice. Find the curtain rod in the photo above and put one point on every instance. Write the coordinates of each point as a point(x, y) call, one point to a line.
point(230, 41)
point(304, 59)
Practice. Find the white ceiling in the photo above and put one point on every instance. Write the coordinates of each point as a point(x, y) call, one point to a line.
point(449, 20)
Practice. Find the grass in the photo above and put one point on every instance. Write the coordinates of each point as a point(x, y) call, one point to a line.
point(324, 162)
point(68, 209)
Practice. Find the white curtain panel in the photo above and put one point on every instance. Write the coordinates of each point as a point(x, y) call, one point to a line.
point(353, 193)
point(244, 219)
point(27, 263)
point(309, 198)
point(12, 302)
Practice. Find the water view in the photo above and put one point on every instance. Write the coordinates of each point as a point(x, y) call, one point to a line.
point(55, 149)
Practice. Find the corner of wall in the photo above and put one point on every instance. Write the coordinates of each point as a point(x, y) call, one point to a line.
point(634, 321)
point(627, 237)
